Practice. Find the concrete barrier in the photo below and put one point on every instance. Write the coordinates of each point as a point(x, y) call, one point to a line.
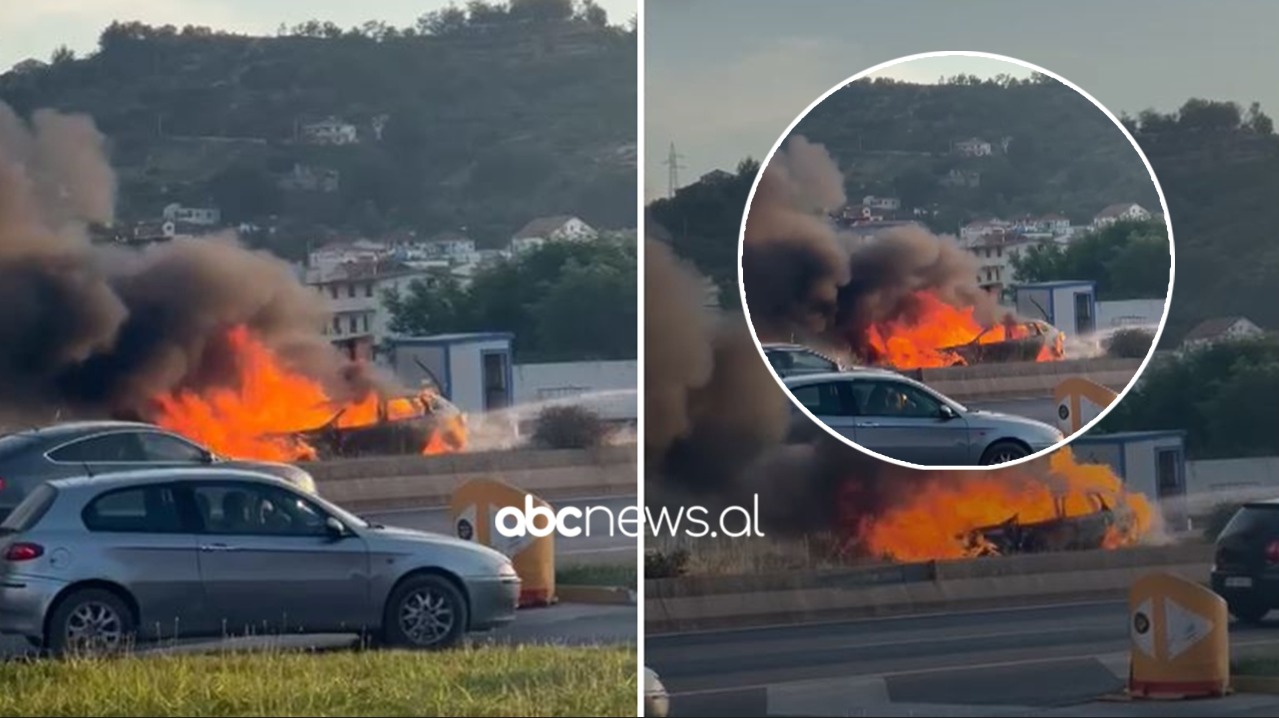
point(1027, 378)
point(699, 603)
point(409, 481)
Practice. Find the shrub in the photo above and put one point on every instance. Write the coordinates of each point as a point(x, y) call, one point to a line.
point(1130, 343)
point(570, 427)
point(659, 563)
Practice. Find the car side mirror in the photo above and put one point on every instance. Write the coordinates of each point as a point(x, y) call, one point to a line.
point(336, 529)
point(207, 457)
point(947, 413)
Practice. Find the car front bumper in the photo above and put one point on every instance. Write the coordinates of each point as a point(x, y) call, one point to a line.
point(24, 601)
point(493, 601)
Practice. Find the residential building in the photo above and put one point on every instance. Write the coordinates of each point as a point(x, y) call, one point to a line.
point(962, 178)
point(1125, 211)
point(545, 229)
point(883, 204)
point(979, 231)
point(455, 247)
point(995, 255)
point(323, 261)
point(973, 147)
point(202, 216)
point(356, 290)
point(1220, 329)
point(330, 131)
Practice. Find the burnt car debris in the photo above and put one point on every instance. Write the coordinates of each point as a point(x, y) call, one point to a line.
point(1022, 342)
point(1063, 532)
point(403, 425)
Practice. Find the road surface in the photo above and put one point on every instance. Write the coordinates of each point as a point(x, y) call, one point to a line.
point(593, 546)
point(1019, 661)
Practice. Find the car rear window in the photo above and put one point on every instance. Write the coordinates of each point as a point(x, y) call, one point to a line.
point(1253, 520)
point(30, 511)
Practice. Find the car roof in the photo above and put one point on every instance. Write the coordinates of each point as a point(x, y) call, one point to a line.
point(141, 477)
point(72, 429)
point(853, 373)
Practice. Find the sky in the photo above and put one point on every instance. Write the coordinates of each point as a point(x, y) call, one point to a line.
point(34, 28)
point(724, 78)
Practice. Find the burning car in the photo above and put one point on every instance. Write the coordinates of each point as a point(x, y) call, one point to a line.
point(425, 423)
point(1011, 341)
point(1096, 529)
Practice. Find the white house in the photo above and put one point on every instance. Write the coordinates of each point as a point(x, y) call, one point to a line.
point(995, 255)
point(455, 247)
point(546, 229)
point(973, 147)
point(1053, 225)
point(981, 230)
point(202, 216)
point(330, 131)
point(1220, 329)
point(1126, 211)
point(324, 261)
point(886, 204)
point(307, 178)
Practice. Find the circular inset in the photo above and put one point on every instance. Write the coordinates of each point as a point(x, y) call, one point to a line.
point(877, 322)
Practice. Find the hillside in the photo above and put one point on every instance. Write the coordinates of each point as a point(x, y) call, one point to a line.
point(1219, 167)
point(480, 123)
point(1051, 149)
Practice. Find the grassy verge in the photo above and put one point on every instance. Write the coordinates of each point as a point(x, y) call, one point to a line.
point(621, 574)
point(490, 681)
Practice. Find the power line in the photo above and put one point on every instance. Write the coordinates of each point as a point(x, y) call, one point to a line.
point(672, 171)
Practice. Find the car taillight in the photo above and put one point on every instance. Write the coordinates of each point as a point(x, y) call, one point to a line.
point(23, 552)
point(1, 484)
point(1272, 552)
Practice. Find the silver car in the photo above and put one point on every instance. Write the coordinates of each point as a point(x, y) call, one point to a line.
point(31, 457)
point(904, 419)
point(91, 564)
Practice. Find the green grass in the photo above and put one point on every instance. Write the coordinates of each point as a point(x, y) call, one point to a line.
point(624, 574)
point(489, 681)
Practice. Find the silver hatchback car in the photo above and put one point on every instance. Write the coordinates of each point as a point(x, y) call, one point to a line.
point(907, 420)
point(91, 564)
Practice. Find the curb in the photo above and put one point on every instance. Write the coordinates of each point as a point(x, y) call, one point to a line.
point(597, 595)
point(1255, 684)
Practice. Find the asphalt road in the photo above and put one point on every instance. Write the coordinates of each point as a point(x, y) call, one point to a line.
point(975, 663)
point(594, 545)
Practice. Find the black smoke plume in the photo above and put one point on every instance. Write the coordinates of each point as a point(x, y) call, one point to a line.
point(807, 280)
point(101, 329)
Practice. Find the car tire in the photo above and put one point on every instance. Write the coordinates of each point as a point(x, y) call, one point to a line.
point(418, 607)
point(90, 621)
point(1248, 611)
point(1002, 452)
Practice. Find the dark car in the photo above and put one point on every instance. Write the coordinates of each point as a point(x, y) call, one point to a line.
point(1245, 568)
point(1063, 532)
point(403, 425)
point(78, 448)
point(1016, 342)
point(794, 359)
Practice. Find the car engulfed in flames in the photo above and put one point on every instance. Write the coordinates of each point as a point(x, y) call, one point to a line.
point(1030, 341)
point(424, 424)
point(1104, 527)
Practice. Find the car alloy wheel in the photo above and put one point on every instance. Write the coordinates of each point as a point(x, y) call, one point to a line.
point(426, 616)
point(94, 627)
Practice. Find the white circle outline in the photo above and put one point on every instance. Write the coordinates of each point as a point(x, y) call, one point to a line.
point(1163, 204)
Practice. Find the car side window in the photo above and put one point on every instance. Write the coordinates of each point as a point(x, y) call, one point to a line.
point(165, 447)
point(822, 399)
point(781, 361)
point(117, 447)
point(808, 361)
point(890, 398)
point(143, 509)
point(251, 509)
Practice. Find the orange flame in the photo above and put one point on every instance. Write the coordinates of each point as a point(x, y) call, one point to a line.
point(257, 419)
point(921, 340)
point(939, 517)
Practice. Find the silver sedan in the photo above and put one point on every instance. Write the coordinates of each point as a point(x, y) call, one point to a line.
point(907, 420)
point(91, 564)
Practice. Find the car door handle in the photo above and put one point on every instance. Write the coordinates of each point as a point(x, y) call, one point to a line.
point(217, 547)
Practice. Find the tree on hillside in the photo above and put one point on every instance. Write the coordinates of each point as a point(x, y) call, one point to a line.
point(1128, 260)
point(1221, 395)
point(563, 301)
